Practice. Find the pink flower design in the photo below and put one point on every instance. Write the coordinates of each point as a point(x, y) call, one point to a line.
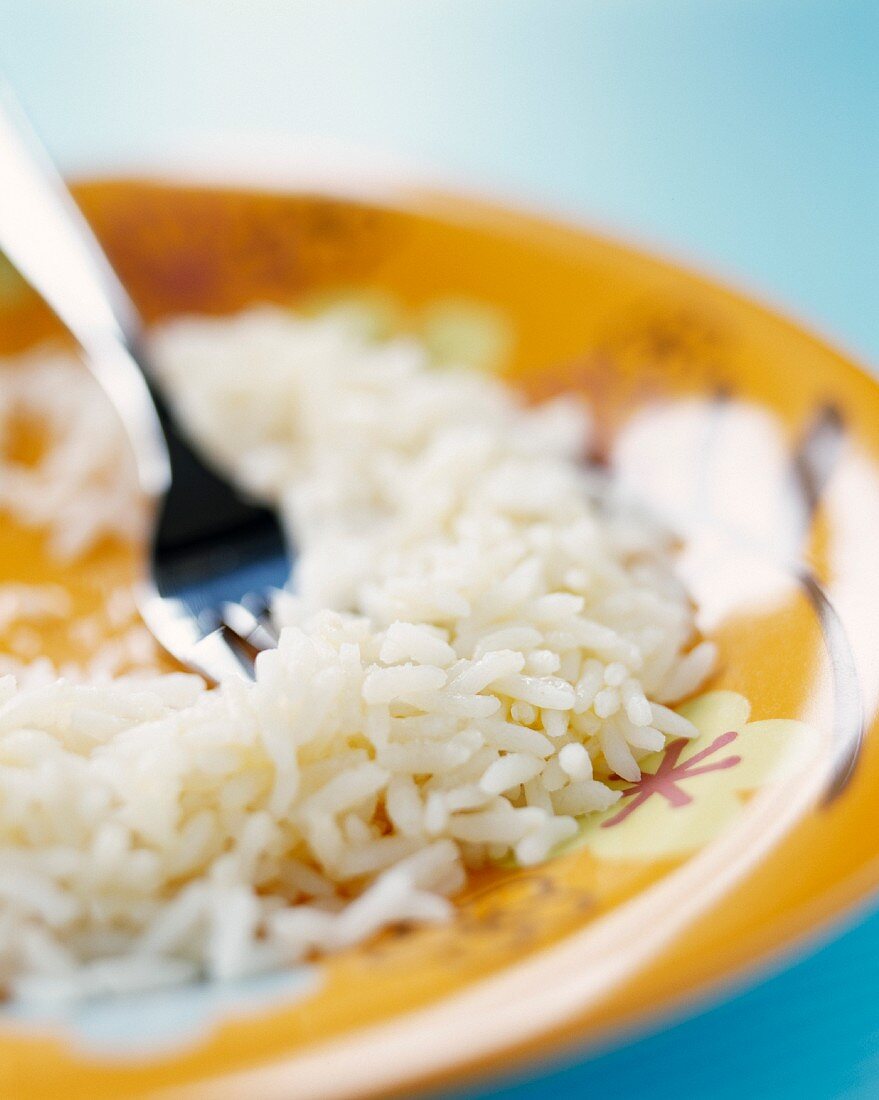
point(666, 780)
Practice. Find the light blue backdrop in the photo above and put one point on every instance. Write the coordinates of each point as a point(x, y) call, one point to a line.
point(742, 134)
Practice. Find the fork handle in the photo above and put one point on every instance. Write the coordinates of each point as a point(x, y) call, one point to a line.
point(44, 235)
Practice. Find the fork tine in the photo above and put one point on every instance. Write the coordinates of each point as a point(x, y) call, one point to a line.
point(261, 609)
point(265, 621)
point(217, 658)
point(248, 627)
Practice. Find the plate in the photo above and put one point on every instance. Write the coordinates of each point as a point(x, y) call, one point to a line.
point(754, 439)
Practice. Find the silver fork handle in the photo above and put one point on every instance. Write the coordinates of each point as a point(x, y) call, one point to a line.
point(44, 235)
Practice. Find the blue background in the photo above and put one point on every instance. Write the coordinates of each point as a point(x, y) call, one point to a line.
point(742, 135)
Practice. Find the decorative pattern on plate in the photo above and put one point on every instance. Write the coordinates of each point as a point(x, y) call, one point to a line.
point(688, 794)
point(165, 1020)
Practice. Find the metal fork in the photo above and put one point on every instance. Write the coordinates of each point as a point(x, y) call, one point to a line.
point(215, 558)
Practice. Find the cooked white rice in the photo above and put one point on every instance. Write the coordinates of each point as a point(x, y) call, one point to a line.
point(480, 637)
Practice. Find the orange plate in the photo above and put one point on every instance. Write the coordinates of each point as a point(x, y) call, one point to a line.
point(754, 438)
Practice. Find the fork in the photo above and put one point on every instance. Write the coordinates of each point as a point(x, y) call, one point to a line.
point(215, 558)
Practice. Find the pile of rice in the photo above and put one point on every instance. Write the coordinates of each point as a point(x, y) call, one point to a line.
point(481, 637)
